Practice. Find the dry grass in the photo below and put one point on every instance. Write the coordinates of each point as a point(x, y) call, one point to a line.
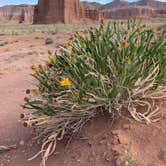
point(27, 29)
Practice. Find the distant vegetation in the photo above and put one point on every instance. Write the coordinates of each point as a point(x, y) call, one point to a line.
point(49, 41)
point(46, 28)
point(27, 29)
point(3, 43)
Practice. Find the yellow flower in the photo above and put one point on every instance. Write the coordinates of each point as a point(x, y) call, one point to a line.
point(22, 116)
point(83, 45)
point(51, 59)
point(33, 67)
point(26, 99)
point(76, 34)
point(28, 91)
point(71, 57)
point(154, 29)
point(65, 82)
point(85, 57)
point(40, 66)
point(124, 44)
point(100, 77)
point(102, 21)
point(164, 54)
point(36, 73)
point(34, 92)
point(127, 59)
point(50, 52)
point(68, 43)
point(25, 124)
point(126, 30)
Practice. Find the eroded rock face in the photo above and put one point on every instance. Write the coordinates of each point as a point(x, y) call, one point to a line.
point(64, 11)
point(56, 11)
point(17, 14)
point(124, 13)
point(142, 9)
point(89, 11)
point(73, 11)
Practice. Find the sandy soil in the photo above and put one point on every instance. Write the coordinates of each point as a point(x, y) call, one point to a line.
point(102, 142)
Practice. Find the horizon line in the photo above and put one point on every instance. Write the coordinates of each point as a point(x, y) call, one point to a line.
point(130, 1)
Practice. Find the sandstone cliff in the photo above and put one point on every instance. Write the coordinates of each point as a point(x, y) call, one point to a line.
point(17, 14)
point(48, 11)
point(119, 9)
point(64, 11)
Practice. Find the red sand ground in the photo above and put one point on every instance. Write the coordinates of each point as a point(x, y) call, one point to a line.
point(102, 142)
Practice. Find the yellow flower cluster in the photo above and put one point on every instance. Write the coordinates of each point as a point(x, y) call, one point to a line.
point(51, 59)
point(36, 72)
point(76, 34)
point(124, 44)
point(127, 59)
point(154, 29)
point(83, 45)
point(126, 31)
point(68, 43)
point(100, 77)
point(65, 82)
point(102, 21)
point(41, 67)
point(34, 92)
point(32, 67)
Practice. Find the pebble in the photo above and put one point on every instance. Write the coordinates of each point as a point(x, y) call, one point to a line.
point(22, 143)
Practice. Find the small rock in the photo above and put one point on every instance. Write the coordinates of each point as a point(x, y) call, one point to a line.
point(78, 161)
point(22, 143)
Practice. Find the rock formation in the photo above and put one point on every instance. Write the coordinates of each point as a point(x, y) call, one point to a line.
point(56, 11)
point(63, 11)
point(126, 13)
point(72, 11)
point(119, 9)
point(90, 11)
point(17, 14)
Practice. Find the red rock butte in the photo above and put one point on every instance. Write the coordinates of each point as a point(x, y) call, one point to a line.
point(62, 11)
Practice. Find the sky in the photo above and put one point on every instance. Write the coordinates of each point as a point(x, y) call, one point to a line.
point(8, 2)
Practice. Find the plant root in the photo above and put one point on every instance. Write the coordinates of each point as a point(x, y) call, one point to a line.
point(153, 113)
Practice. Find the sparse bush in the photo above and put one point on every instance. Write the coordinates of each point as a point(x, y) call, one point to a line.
point(3, 43)
point(37, 37)
point(129, 161)
point(162, 27)
point(54, 32)
point(49, 41)
point(103, 69)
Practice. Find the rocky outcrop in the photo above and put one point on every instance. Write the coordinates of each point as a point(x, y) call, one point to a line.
point(126, 13)
point(119, 9)
point(72, 11)
point(64, 11)
point(114, 5)
point(91, 5)
point(17, 14)
point(90, 11)
point(56, 11)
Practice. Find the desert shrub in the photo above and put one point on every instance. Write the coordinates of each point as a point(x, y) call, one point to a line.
point(162, 27)
point(49, 41)
point(37, 37)
point(3, 43)
point(106, 68)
